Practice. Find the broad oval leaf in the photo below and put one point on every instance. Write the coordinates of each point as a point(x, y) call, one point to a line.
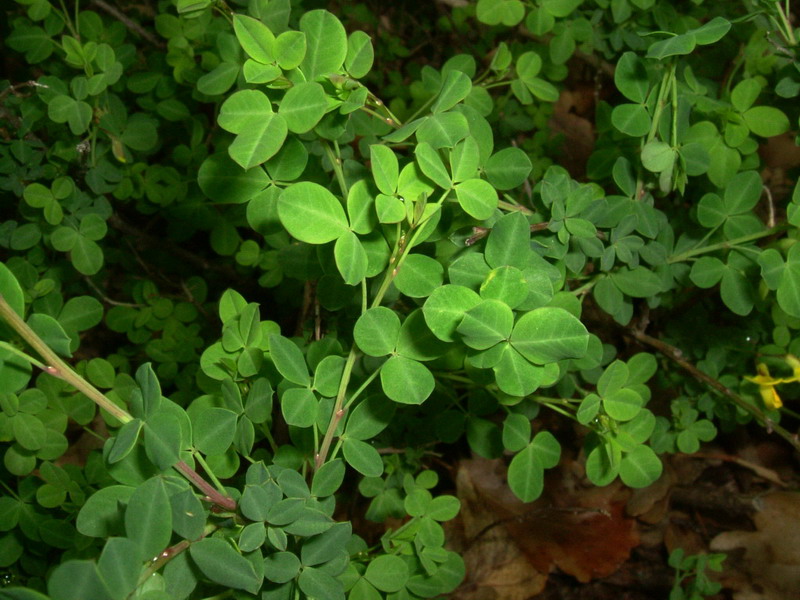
point(550, 334)
point(406, 381)
point(377, 330)
point(311, 213)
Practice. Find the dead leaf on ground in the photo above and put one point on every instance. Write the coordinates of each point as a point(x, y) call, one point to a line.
point(770, 567)
point(510, 547)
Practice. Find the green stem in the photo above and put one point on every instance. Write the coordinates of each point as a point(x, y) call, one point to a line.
point(338, 411)
point(489, 86)
point(57, 367)
point(336, 163)
point(727, 245)
point(199, 458)
point(512, 207)
point(27, 357)
point(363, 386)
point(53, 365)
point(270, 440)
point(586, 286)
point(660, 102)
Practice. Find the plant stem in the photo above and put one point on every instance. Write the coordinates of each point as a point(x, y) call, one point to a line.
point(205, 487)
point(336, 163)
point(57, 367)
point(199, 458)
point(338, 412)
point(677, 356)
point(729, 244)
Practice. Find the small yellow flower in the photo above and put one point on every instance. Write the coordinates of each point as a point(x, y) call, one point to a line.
point(793, 362)
point(766, 386)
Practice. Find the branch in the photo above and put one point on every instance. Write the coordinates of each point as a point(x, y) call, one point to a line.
point(55, 366)
point(132, 25)
point(675, 355)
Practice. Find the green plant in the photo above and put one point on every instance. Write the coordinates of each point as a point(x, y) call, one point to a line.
point(428, 275)
point(693, 569)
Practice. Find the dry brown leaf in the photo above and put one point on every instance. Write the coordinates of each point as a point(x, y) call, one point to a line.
point(510, 547)
point(771, 559)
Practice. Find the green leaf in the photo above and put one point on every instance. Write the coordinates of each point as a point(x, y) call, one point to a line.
point(148, 518)
point(390, 209)
point(711, 32)
point(326, 44)
point(219, 80)
point(431, 164)
point(280, 567)
point(255, 37)
point(387, 572)
point(328, 478)
point(516, 432)
point(640, 467)
point(514, 374)
point(351, 258)
point(506, 284)
point(508, 168)
point(631, 77)
point(77, 113)
point(370, 417)
point(672, 46)
point(303, 106)
point(260, 132)
point(707, 271)
point(549, 334)
point(218, 561)
point(509, 242)
point(290, 49)
point(766, 121)
point(311, 213)
point(102, 514)
point(637, 283)
point(496, 12)
point(77, 580)
point(788, 294)
point(622, 404)
point(225, 181)
point(126, 439)
point(360, 55)
point(188, 515)
point(289, 360)
point(560, 8)
point(658, 156)
point(213, 430)
point(28, 430)
point(86, 255)
point(526, 475)
point(455, 88)
point(631, 119)
point(376, 331)
point(362, 457)
point(406, 381)
point(737, 292)
point(119, 566)
point(443, 130)
point(162, 440)
point(464, 159)
point(419, 275)
point(486, 324)
point(299, 407)
point(743, 192)
point(445, 308)
point(51, 332)
point(477, 197)
point(385, 168)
